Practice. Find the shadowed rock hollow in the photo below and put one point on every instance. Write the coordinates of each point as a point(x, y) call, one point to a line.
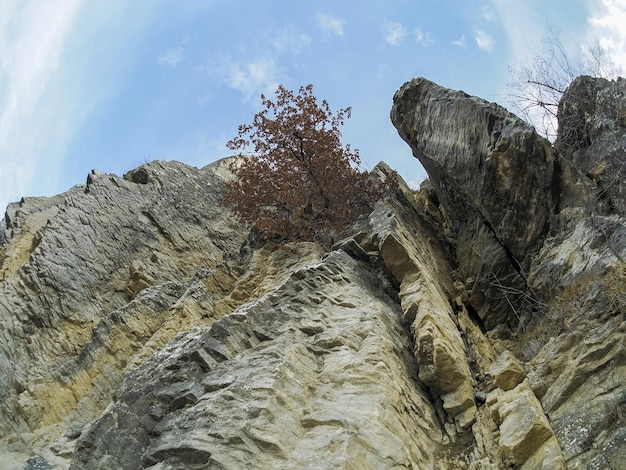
point(476, 323)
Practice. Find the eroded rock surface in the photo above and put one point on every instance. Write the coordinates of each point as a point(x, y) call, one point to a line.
point(493, 176)
point(562, 276)
point(477, 323)
point(317, 374)
point(70, 266)
point(483, 160)
point(592, 139)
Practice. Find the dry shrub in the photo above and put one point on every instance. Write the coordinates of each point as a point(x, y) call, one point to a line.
point(580, 301)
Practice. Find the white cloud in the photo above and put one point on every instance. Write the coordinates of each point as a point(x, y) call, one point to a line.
point(524, 28)
point(290, 40)
point(460, 42)
point(394, 32)
point(172, 56)
point(607, 21)
point(258, 71)
point(488, 14)
point(331, 25)
point(257, 68)
point(252, 78)
point(34, 36)
point(425, 39)
point(484, 41)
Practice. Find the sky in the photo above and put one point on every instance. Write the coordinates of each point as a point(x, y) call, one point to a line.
point(112, 84)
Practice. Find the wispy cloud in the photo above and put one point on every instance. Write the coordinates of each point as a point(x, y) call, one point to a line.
point(607, 22)
point(331, 25)
point(251, 78)
point(394, 32)
point(422, 38)
point(35, 35)
point(461, 42)
point(290, 40)
point(257, 69)
point(488, 14)
point(484, 41)
point(172, 56)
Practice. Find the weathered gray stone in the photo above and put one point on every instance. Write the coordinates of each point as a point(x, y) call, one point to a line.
point(493, 175)
point(482, 160)
point(71, 263)
point(593, 246)
point(337, 395)
point(578, 378)
point(592, 140)
point(140, 328)
point(450, 133)
point(499, 292)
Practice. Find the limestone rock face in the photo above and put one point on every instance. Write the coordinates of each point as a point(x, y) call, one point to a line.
point(493, 175)
point(423, 272)
point(594, 245)
point(592, 139)
point(578, 377)
point(554, 294)
point(475, 324)
point(311, 375)
point(507, 371)
point(589, 232)
point(524, 429)
point(484, 160)
point(90, 281)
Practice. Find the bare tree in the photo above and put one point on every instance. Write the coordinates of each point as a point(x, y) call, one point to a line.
point(536, 87)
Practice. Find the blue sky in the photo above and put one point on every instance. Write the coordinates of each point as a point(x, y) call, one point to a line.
point(110, 84)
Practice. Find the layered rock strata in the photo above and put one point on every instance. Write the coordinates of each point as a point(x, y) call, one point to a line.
point(96, 279)
point(477, 323)
point(493, 175)
point(316, 374)
point(555, 290)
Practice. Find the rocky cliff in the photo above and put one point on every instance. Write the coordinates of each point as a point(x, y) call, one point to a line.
point(477, 323)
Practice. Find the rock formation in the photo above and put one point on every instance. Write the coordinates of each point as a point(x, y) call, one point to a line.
point(539, 284)
point(477, 323)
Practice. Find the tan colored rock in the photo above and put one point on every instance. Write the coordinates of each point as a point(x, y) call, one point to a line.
point(140, 279)
point(480, 349)
point(492, 405)
point(487, 453)
point(25, 232)
point(507, 371)
point(523, 426)
point(427, 298)
point(397, 258)
point(280, 383)
point(547, 457)
point(70, 264)
point(384, 353)
point(466, 418)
